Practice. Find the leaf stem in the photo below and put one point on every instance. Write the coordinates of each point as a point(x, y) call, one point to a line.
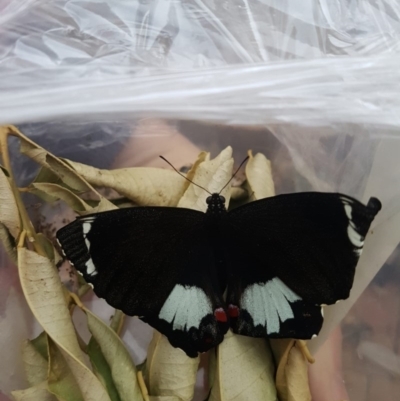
point(305, 351)
point(24, 218)
point(142, 386)
point(117, 321)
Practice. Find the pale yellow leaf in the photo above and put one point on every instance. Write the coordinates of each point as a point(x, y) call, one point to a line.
point(9, 214)
point(8, 242)
point(52, 192)
point(212, 175)
point(34, 364)
point(243, 371)
point(103, 206)
point(144, 185)
point(164, 398)
point(35, 393)
point(123, 370)
point(292, 371)
point(45, 295)
point(61, 379)
point(169, 371)
point(259, 176)
point(57, 166)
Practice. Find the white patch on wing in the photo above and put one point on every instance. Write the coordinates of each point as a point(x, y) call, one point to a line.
point(355, 238)
point(185, 307)
point(269, 303)
point(86, 226)
point(90, 267)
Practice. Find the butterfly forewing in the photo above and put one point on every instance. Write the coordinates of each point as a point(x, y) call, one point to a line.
point(293, 253)
point(156, 263)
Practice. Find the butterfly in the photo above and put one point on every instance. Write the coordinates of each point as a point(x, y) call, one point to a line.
point(262, 269)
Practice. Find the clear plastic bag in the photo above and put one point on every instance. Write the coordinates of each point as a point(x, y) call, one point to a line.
point(313, 85)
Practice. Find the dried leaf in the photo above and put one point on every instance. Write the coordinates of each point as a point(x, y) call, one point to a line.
point(144, 185)
point(243, 371)
point(48, 247)
point(45, 295)
point(61, 380)
point(259, 176)
point(9, 215)
point(59, 167)
point(122, 369)
point(292, 372)
point(211, 175)
point(35, 365)
point(102, 369)
point(8, 242)
point(169, 371)
point(35, 393)
point(53, 192)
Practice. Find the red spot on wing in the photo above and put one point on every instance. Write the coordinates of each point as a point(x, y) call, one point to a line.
point(220, 315)
point(233, 311)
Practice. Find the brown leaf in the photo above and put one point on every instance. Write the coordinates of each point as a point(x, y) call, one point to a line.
point(243, 371)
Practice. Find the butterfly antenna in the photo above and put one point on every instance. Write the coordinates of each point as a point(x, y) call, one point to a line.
point(233, 176)
point(197, 185)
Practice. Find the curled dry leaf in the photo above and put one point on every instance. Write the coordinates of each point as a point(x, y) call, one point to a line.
point(52, 192)
point(292, 371)
point(61, 381)
point(45, 295)
point(259, 176)
point(8, 242)
point(34, 363)
point(9, 215)
point(243, 370)
point(211, 175)
point(60, 168)
point(102, 369)
point(35, 393)
point(122, 369)
point(169, 371)
point(144, 185)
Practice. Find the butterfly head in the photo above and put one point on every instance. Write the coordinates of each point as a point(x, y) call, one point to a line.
point(216, 204)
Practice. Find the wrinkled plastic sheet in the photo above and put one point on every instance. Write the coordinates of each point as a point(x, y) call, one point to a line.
point(312, 84)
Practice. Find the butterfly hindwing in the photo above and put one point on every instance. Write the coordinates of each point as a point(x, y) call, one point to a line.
point(155, 263)
point(293, 253)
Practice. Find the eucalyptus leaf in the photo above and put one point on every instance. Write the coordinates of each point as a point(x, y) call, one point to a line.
point(169, 371)
point(244, 370)
point(35, 393)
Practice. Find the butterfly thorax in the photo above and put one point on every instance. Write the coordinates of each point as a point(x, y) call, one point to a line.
point(216, 205)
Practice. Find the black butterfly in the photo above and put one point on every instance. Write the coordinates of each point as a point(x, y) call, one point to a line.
point(278, 259)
